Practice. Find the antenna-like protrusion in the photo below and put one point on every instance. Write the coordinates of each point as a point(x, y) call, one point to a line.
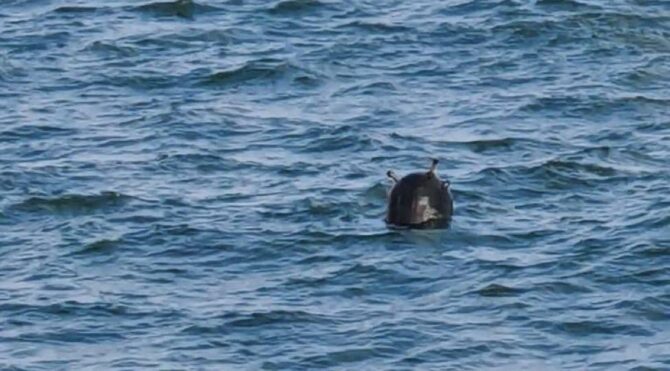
point(433, 166)
point(392, 175)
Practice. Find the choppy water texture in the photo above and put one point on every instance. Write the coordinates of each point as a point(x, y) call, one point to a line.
point(201, 185)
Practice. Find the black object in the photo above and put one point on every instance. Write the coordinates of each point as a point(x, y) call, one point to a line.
point(419, 200)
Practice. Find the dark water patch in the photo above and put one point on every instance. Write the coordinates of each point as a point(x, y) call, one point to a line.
point(642, 78)
point(463, 34)
point(9, 72)
point(217, 36)
point(494, 145)
point(343, 137)
point(655, 251)
point(372, 26)
point(66, 309)
point(604, 327)
point(553, 174)
point(261, 71)
point(233, 321)
point(296, 7)
point(367, 89)
point(111, 49)
point(182, 251)
point(298, 169)
point(567, 167)
point(141, 80)
point(79, 11)
point(357, 275)
point(654, 127)
point(649, 308)
point(75, 204)
point(497, 290)
point(442, 354)
point(38, 41)
point(201, 162)
point(65, 336)
point(561, 288)
point(187, 9)
point(578, 106)
point(156, 43)
point(617, 21)
point(345, 357)
point(489, 176)
point(541, 31)
point(35, 132)
point(75, 9)
point(315, 259)
point(136, 218)
point(103, 246)
point(472, 8)
point(565, 5)
point(276, 317)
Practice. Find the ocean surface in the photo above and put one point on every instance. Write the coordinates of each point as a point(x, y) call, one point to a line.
point(201, 184)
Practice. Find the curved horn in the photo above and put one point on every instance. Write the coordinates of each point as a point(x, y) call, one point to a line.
point(392, 175)
point(433, 166)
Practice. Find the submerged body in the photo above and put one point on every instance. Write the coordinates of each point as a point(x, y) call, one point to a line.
point(419, 200)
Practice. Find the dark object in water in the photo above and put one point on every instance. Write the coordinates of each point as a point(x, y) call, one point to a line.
point(419, 200)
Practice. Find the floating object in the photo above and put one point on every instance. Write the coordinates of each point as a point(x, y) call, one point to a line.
point(419, 200)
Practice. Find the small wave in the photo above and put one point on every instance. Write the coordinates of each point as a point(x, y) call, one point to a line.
point(276, 317)
point(68, 204)
point(566, 5)
point(579, 106)
point(561, 288)
point(295, 6)
point(588, 327)
point(496, 290)
point(373, 88)
point(180, 8)
point(649, 308)
point(346, 356)
point(140, 80)
point(268, 70)
point(67, 308)
point(474, 6)
point(371, 26)
point(258, 319)
point(360, 272)
point(111, 48)
point(69, 335)
point(656, 251)
point(33, 132)
point(77, 10)
point(571, 168)
point(221, 37)
point(554, 173)
point(493, 176)
point(340, 138)
point(493, 144)
point(98, 247)
point(543, 31)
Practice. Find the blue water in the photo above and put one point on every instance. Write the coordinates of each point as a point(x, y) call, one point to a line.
point(201, 185)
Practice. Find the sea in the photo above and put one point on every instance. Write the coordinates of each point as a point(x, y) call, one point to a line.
point(201, 184)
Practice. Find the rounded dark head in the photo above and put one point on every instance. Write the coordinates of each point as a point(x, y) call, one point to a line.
point(420, 200)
